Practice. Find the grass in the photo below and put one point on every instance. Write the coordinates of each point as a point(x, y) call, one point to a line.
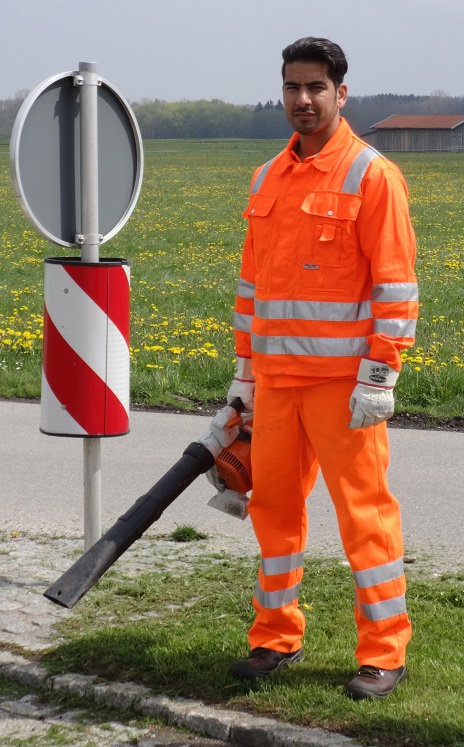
point(178, 631)
point(184, 241)
point(186, 533)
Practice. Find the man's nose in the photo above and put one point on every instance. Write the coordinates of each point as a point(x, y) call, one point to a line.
point(304, 97)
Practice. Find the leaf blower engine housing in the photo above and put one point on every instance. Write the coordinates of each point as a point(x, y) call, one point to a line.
point(231, 474)
point(233, 464)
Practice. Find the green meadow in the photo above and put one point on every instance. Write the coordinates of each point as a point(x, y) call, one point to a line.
point(184, 243)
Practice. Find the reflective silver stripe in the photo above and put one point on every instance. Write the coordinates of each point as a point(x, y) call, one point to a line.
point(320, 311)
point(357, 170)
point(245, 289)
point(323, 346)
point(242, 322)
point(379, 574)
point(395, 327)
point(273, 600)
point(256, 186)
point(383, 610)
point(281, 564)
point(390, 292)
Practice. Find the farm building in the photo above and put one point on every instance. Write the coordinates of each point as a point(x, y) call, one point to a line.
point(418, 132)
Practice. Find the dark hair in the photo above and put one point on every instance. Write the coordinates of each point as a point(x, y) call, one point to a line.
point(311, 49)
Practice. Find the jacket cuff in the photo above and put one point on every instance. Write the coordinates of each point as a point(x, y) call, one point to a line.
point(376, 373)
point(243, 370)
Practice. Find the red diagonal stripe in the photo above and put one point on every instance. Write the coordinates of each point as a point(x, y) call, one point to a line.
point(87, 398)
point(119, 300)
point(108, 287)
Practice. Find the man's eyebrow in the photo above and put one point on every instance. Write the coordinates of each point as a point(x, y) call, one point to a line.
point(308, 85)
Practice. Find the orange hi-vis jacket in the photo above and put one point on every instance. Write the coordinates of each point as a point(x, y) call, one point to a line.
point(327, 268)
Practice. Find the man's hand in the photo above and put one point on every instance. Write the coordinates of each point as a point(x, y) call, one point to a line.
point(213, 477)
point(243, 385)
point(372, 400)
point(225, 426)
point(370, 405)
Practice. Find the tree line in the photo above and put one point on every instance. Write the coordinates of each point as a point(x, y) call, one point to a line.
point(8, 111)
point(218, 119)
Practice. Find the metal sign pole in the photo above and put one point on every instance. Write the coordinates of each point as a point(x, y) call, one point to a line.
point(89, 241)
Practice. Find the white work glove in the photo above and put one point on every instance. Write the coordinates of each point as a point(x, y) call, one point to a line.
point(243, 385)
point(225, 426)
point(213, 477)
point(224, 429)
point(372, 400)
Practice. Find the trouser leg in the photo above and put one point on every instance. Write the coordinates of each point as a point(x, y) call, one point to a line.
point(284, 471)
point(354, 464)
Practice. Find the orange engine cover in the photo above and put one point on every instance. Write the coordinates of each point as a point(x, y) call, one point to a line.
point(234, 462)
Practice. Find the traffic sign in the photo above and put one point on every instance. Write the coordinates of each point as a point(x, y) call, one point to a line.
point(45, 159)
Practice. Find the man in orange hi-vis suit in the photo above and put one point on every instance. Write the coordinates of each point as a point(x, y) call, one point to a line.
point(327, 299)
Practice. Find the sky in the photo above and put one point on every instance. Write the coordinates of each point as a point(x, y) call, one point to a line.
point(230, 49)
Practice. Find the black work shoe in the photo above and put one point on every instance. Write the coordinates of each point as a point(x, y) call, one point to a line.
point(372, 682)
point(262, 662)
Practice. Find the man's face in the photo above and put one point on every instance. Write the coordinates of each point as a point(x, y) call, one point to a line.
point(311, 101)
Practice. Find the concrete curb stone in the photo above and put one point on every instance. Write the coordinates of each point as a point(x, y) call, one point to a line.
point(236, 728)
point(78, 685)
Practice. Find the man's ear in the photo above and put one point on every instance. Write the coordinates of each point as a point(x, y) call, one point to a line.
point(342, 95)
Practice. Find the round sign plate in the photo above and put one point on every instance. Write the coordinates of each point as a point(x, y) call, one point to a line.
point(45, 159)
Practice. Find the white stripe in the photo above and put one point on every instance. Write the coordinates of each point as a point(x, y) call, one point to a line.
point(317, 346)
point(242, 322)
point(245, 289)
point(55, 419)
point(118, 366)
point(274, 600)
point(383, 610)
point(395, 327)
point(87, 330)
point(126, 268)
point(327, 311)
point(282, 564)
point(379, 574)
point(256, 186)
point(391, 292)
point(358, 168)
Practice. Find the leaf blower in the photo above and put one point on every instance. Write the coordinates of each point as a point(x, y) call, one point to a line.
point(225, 454)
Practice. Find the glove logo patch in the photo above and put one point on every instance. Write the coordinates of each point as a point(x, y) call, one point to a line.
point(378, 374)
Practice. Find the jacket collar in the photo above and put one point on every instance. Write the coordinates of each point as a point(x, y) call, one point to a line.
point(327, 157)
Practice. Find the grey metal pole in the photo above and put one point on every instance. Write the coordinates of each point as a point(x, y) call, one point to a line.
point(89, 240)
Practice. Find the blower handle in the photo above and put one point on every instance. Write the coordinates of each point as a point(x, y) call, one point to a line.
point(237, 404)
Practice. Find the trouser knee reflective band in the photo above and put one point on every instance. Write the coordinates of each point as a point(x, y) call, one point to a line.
point(295, 431)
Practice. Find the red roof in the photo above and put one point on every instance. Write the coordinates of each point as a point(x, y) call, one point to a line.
point(420, 122)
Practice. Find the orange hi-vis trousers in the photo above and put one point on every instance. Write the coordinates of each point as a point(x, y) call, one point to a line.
point(296, 430)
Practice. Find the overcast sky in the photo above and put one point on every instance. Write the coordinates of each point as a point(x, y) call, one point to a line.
point(230, 49)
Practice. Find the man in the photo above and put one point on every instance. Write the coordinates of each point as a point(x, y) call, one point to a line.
point(327, 299)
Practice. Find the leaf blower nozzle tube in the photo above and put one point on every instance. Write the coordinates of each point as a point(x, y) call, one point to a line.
point(197, 459)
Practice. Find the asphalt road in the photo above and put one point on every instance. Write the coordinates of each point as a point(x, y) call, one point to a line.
point(42, 485)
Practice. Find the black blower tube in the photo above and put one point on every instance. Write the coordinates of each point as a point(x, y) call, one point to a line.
point(91, 566)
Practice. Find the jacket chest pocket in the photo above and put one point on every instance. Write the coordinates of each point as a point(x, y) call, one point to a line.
point(260, 215)
point(327, 230)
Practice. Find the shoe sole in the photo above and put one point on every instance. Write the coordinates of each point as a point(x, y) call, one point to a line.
point(248, 674)
point(357, 693)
